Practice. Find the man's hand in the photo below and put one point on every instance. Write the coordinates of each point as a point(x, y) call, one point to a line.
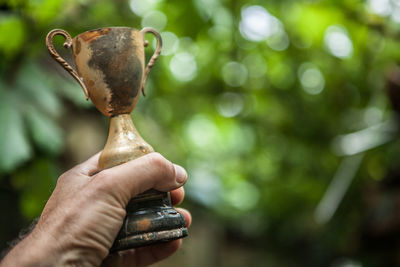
point(85, 212)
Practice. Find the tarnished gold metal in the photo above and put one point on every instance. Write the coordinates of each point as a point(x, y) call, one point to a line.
point(110, 67)
point(154, 57)
point(123, 143)
point(59, 59)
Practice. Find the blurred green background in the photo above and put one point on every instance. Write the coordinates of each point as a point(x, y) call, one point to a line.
point(283, 113)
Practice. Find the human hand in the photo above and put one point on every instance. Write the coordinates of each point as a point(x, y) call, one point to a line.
point(85, 212)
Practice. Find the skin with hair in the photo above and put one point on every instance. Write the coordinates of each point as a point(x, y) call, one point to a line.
point(85, 212)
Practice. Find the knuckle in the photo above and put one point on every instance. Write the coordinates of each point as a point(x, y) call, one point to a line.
point(156, 159)
point(63, 178)
point(162, 165)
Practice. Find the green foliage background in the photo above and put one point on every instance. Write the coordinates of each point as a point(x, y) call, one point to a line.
point(261, 142)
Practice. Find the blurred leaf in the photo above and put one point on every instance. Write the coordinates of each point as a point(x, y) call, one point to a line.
point(72, 91)
point(46, 133)
point(14, 144)
point(12, 35)
point(43, 11)
point(37, 89)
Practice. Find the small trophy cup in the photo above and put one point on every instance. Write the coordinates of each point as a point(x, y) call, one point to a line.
point(110, 69)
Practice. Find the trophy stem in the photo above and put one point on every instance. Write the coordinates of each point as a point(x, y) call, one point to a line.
point(123, 143)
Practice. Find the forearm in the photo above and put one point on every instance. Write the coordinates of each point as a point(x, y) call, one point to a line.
point(41, 249)
point(28, 252)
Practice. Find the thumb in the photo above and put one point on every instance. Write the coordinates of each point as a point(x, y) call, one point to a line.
point(134, 177)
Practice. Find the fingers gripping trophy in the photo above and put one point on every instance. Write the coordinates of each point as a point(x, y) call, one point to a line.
point(110, 67)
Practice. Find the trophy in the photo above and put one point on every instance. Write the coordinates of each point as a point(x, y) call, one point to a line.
point(110, 64)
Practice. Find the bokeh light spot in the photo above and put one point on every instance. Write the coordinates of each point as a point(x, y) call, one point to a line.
point(380, 7)
point(243, 195)
point(338, 42)
point(141, 7)
point(155, 19)
point(234, 73)
point(396, 14)
point(222, 17)
point(203, 185)
point(256, 65)
point(230, 104)
point(202, 132)
point(279, 41)
point(170, 43)
point(311, 78)
point(183, 66)
point(257, 23)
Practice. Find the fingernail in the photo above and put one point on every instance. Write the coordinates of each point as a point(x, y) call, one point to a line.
point(180, 174)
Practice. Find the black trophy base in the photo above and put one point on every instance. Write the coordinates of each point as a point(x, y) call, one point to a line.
point(150, 219)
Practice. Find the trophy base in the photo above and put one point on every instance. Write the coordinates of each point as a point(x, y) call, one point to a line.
point(150, 219)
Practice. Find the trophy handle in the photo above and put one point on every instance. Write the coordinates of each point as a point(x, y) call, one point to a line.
point(154, 57)
point(60, 60)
